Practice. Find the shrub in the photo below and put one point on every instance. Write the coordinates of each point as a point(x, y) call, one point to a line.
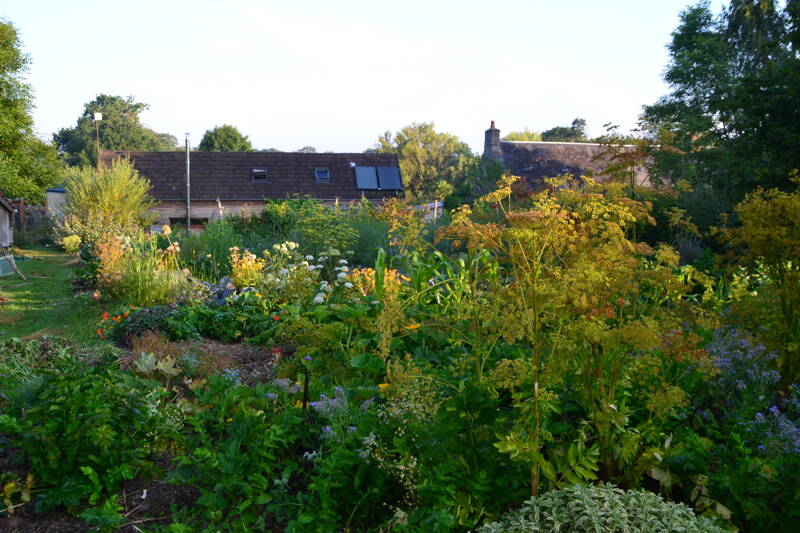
point(85, 431)
point(604, 508)
point(105, 201)
point(71, 244)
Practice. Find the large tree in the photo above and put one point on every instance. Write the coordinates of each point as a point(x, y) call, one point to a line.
point(225, 138)
point(574, 133)
point(119, 129)
point(428, 159)
point(731, 121)
point(27, 165)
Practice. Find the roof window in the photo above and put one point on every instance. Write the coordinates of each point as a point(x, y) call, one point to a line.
point(260, 175)
point(322, 174)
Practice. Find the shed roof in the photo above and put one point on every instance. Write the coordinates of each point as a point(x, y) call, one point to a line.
point(5, 204)
point(228, 175)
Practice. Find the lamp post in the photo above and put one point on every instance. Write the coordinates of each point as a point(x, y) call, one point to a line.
point(97, 118)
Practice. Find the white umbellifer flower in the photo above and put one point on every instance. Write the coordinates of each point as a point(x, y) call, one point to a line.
point(348, 285)
point(309, 258)
point(341, 275)
point(342, 261)
point(328, 288)
point(303, 263)
point(323, 284)
point(283, 272)
point(319, 267)
point(311, 268)
point(319, 298)
point(345, 269)
point(375, 302)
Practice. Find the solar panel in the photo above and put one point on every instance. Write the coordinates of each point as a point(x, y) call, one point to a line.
point(366, 178)
point(389, 178)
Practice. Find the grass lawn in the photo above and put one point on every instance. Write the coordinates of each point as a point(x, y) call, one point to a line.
point(45, 303)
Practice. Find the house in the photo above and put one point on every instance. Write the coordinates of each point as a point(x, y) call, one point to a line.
point(234, 182)
point(6, 216)
point(536, 160)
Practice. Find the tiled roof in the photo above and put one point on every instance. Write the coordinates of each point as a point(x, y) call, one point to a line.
point(537, 160)
point(227, 175)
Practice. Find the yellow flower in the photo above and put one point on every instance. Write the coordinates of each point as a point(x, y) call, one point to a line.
point(383, 386)
point(298, 403)
point(414, 326)
point(166, 230)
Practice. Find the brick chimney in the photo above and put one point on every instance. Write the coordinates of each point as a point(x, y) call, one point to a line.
point(491, 144)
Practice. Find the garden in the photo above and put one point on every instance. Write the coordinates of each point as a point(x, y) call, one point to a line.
point(535, 361)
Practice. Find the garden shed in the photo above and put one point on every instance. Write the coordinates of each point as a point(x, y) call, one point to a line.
point(6, 216)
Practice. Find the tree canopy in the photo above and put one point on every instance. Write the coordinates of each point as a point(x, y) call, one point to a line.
point(429, 160)
point(732, 118)
point(120, 129)
point(225, 138)
point(27, 165)
point(574, 133)
point(524, 135)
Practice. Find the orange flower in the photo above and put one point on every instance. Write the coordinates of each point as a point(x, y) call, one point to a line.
point(276, 317)
point(105, 315)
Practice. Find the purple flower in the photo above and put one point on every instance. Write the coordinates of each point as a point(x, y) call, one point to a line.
point(327, 429)
point(351, 429)
point(271, 395)
point(307, 358)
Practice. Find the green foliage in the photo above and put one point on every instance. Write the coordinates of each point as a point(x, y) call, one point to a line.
point(426, 158)
point(604, 508)
point(726, 73)
point(224, 138)
point(524, 135)
point(770, 231)
point(71, 244)
point(120, 129)
point(27, 165)
point(85, 431)
point(241, 449)
point(574, 133)
point(108, 201)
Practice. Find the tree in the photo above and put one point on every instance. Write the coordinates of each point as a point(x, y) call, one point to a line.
point(27, 165)
point(225, 138)
point(426, 158)
point(574, 133)
point(105, 201)
point(731, 121)
point(119, 129)
point(307, 150)
point(524, 135)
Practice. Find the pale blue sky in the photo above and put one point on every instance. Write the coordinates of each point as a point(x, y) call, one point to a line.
point(336, 74)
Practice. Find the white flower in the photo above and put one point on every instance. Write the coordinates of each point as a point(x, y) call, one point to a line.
point(283, 272)
point(341, 275)
point(303, 263)
point(309, 258)
point(348, 285)
point(323, 284)
point(328, 288)
point(311, 268)
point(319, 267)
point(342, 261)
point(319, 298)
point(345, 269)
point(375, 302)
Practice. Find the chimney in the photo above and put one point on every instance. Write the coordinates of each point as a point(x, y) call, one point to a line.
point(491, 145)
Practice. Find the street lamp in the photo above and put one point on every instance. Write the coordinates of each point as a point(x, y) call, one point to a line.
point(97, 118)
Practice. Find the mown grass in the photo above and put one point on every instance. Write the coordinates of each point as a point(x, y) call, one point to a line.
point(44, 304)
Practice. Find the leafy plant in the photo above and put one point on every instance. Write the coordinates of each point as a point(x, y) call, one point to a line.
point(605, 508)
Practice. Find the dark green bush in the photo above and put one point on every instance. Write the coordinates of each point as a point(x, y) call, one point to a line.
point(84, 431)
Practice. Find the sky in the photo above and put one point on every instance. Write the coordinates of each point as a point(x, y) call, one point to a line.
point(337, 74)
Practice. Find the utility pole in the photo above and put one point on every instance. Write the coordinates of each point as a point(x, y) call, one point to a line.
point(97, 118)
point(188, 190)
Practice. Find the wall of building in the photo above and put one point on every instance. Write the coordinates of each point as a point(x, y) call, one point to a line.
point(6, 236)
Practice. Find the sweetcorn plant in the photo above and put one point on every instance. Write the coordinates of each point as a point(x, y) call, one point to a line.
point(605, 509)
